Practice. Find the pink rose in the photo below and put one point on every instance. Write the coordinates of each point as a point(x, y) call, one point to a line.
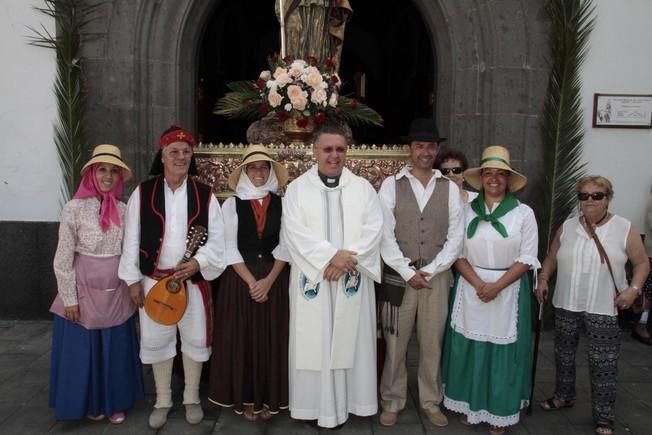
point(278, 71)
point(313, 77)
point(282, 77)
point(318, 96)
point(299, 103)
point(294, 91)
point(296, 72)
point(274, 98)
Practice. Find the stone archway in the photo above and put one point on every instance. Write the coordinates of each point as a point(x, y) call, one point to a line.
point(491, 73)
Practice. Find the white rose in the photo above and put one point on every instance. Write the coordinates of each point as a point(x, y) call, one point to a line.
point(266, 75)
point(288, 107)
point(332, 101)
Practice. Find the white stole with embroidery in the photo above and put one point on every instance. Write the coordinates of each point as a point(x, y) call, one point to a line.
point(305, 231)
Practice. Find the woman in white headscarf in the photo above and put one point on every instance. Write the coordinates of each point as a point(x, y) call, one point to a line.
point(249, 370)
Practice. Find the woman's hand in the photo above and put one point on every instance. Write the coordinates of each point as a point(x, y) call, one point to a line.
point(626, 298)
point(260, 289)
point(488, 292)
point(71, 313)
point(541, 291)
point(137, 294)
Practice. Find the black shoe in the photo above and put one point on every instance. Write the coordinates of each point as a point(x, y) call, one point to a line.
point(638, 337)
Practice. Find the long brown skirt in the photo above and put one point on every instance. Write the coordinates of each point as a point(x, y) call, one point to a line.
point(249, 365)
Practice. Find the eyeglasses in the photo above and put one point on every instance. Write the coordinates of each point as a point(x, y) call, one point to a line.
point(455, 171)
point(598, 196)
point(329, 149)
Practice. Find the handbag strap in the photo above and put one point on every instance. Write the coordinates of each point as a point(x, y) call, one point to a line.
point(603, 254)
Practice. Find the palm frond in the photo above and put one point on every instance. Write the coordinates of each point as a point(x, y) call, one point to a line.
point(358, 113)
point(562, 125)
point(70, 17)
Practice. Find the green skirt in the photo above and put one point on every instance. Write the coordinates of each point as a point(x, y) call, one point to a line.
point(489, 382)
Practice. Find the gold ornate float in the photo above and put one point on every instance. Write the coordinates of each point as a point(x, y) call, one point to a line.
point(373, 162)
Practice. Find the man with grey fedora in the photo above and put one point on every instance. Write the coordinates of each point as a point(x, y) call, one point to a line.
point(422, 238)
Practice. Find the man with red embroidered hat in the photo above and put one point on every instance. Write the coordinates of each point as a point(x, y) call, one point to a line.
point(160, 213)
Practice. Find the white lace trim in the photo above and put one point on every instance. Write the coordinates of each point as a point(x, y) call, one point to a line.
point(483, 416)
point(508, 334)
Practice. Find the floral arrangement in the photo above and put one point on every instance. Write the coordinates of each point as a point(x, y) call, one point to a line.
point(295, 88)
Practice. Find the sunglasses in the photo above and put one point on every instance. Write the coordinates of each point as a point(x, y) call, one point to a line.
point(455, 171)
point(598, 196)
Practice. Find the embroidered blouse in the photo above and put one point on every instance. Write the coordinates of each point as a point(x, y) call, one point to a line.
point(80, 232)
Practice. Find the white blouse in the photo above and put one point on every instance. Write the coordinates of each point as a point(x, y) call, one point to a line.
point(233, 255)
point(583, 282)
point(490, 250)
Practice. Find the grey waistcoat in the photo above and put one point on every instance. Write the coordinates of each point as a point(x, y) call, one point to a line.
point(421, 235)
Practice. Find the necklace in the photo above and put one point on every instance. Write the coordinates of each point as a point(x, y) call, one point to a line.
point(604, 216)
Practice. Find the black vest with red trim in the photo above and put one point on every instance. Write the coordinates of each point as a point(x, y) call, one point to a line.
point(152, 218)
point(249, 245)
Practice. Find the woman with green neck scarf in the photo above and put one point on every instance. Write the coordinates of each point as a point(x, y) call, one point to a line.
point(486, 360)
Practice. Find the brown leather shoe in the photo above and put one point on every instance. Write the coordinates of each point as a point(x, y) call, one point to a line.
point(388, 418)
point(437, 418)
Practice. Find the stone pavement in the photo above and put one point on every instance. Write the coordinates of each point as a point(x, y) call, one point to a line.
point(24, 371)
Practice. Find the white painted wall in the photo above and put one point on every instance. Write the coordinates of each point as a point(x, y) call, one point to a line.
point(29, 171)
point(619, 62)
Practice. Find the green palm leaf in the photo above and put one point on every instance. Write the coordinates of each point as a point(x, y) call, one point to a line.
point(562, 126)
point(70, 17)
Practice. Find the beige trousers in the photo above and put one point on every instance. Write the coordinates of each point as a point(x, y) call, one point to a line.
point(429, 309)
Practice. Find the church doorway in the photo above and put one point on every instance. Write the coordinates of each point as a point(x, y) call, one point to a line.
point(387, 61)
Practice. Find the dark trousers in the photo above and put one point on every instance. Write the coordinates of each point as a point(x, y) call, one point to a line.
point(603, 336)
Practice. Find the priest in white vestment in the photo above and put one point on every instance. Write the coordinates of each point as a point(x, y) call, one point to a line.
point(332, 225)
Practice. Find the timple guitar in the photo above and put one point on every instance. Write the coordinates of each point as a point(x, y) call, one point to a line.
point(167, 300)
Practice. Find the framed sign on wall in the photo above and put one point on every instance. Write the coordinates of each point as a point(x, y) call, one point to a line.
point(622, 111)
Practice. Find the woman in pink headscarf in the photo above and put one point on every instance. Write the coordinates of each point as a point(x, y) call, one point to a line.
point(95, 369)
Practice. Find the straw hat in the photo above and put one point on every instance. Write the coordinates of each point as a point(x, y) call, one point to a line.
point(108, 154)
point(495, 156)
point(258, 153)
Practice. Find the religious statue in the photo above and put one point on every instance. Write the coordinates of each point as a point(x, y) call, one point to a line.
point(314, 27)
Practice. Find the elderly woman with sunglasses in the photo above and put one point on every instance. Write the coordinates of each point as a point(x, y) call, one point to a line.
point(452, 164)
point(589, 253)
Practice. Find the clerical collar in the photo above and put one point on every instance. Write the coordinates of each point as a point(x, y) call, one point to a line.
point(329, 181)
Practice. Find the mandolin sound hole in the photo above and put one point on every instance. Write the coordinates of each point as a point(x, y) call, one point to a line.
point(173, 286)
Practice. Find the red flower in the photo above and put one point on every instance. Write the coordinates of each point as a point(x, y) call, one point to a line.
point(320, 118)
point(303, 122)
point(282, 116)
point(262, 109)
point(287, 59)
point(330, 63)
point(249, 103)
point(354, 103)
point(334, 79)
point(311, 60)
point(338, 111)
point(261, 84)
point(274, 58)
